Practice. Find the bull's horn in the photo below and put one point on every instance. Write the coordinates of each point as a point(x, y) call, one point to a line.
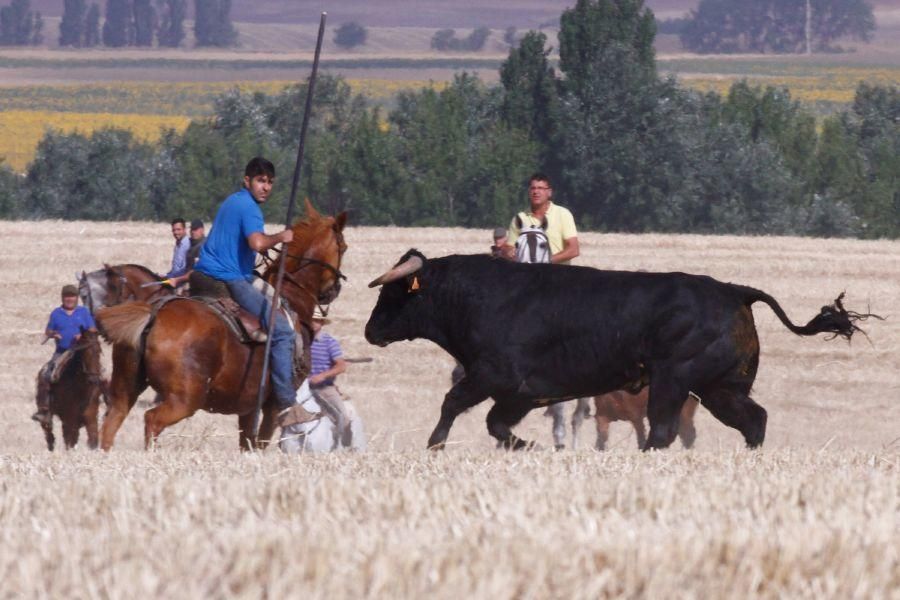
point(413, 264)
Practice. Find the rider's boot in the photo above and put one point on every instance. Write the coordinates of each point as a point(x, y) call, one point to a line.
point(42, 399)
point(295, 415)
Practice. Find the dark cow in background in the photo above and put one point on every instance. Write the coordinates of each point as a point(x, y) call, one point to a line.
point(525, 333)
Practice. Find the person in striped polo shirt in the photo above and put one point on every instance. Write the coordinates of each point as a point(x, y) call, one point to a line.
point(327, 363)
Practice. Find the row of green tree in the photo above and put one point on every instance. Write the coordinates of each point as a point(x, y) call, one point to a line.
point(445, 39)
point(626, 149)
point(20, 26)
point(140, 23)
point(728, 26)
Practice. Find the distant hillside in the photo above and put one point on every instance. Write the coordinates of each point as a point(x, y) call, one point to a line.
point(382, 13)
point(496, 14)
point(499, 14)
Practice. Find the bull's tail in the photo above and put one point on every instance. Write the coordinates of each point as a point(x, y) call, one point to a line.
point(125, 323)
point(833, 319)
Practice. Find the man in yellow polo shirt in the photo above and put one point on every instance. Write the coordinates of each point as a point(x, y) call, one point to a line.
point(561, 230)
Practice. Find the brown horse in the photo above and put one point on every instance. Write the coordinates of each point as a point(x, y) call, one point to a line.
point(75, 396)
point(116, 284)
point(191, 358)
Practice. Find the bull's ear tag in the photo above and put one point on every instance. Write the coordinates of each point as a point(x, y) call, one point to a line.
point(414, 286)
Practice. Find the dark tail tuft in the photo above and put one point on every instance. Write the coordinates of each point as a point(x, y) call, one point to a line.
point(838, 321)
point(833, 319)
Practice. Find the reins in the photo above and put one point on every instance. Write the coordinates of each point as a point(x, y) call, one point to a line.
point(93, 377)
point(302, 262)
point(305, 261)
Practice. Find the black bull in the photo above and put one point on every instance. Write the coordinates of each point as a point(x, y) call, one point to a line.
point(525, 333)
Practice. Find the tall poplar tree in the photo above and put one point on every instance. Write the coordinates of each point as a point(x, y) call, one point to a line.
point(118, 30)
point(145, 22)
point(71, 28)
point(171, 27)
point(92, 26)
point(212, 23)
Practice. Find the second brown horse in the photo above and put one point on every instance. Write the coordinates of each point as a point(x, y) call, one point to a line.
point(192, 360)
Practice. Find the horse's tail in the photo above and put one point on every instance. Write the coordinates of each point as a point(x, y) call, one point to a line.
point(125, 323)
point(833, 319)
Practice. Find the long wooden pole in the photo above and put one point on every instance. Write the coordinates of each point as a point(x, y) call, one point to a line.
point(261, 393)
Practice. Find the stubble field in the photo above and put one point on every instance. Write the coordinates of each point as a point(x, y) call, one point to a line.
point(813, 514)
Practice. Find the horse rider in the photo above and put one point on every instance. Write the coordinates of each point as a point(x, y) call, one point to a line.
point(229, 255)
point(178, 273)
point(560, 231)
point(65, 325)
point(197, 239)
point(500, 247)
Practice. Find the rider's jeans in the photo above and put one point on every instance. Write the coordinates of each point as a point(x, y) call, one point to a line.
point(243, 292)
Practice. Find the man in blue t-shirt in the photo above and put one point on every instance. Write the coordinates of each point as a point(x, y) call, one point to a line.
point(229, 255)
point(65, 325)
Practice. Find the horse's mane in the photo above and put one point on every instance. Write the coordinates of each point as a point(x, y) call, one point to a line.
point(80, 347)
point(141, 268)
point(306, 225)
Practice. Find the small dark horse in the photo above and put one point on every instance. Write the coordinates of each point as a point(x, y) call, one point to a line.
point(75, 396)
point(188, 355)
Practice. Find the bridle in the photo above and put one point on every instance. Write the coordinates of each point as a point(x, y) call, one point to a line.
point(122, 294)
point(84, 290)
point(302, 262)
point(123, 285)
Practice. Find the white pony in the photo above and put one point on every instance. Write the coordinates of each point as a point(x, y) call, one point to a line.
point(320, 435)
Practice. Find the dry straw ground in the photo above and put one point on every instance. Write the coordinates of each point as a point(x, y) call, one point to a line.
point(814, 514)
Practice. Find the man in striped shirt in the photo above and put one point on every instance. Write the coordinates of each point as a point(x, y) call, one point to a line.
point(327, 363)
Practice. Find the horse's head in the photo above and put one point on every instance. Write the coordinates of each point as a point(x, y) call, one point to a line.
point(88, 348)
point(532, 245)
point(97, 288)
point(314, 256)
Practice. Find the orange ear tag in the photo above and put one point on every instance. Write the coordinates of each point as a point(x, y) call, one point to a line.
point(415, 284)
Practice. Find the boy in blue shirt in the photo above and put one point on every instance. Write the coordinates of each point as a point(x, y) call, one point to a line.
point(65, 325)
point(229, 255)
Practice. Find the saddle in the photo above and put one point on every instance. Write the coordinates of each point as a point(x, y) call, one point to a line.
point(244, 324)
point(214, 294)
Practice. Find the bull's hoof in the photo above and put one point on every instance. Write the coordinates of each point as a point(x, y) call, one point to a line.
point(436, 446)
point(559, 447)
point(517, 444)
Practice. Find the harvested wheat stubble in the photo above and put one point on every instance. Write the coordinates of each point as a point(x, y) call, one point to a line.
point(795, 523)
point(813, 514)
